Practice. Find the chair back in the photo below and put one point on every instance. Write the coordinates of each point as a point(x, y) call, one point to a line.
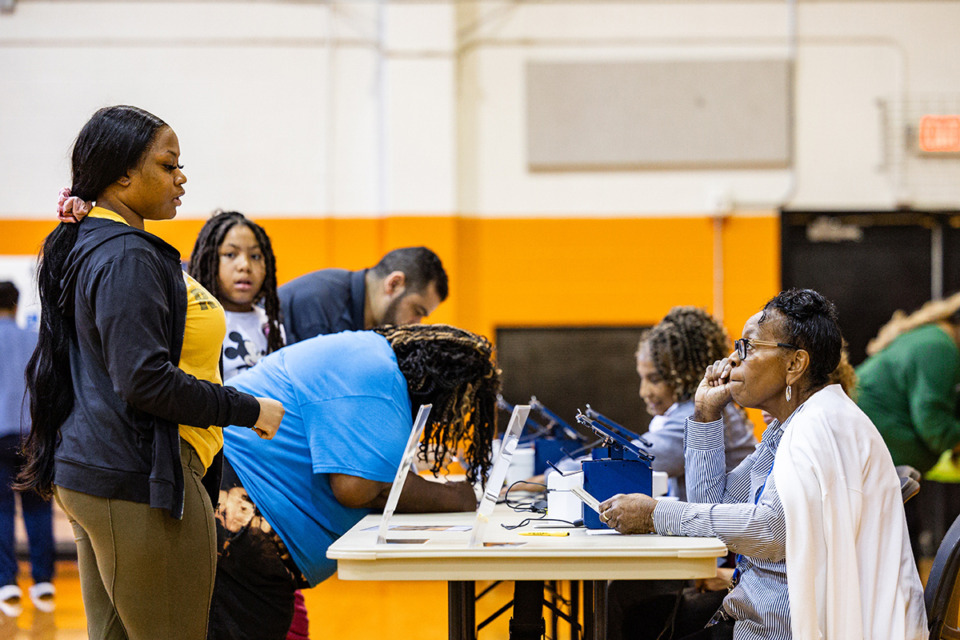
point(941, 596)
point(909, 481)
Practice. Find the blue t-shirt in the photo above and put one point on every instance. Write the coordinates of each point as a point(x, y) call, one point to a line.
point(347, 411)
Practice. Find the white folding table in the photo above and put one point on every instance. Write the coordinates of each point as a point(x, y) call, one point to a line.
point(446, 555)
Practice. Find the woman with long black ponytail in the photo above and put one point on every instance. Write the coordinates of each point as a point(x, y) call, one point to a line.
point(126, 401)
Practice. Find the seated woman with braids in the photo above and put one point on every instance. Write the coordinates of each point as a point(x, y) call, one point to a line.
point(671, 358)
point(351, 398)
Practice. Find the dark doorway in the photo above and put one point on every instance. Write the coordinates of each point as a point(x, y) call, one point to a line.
point(567, 368)
point(871, 264)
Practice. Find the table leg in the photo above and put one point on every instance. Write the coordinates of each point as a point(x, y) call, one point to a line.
point(588, 609)
point(527, 622)
point(555, 586)
point(599, 610)
point(574, 607)
point(461, 610)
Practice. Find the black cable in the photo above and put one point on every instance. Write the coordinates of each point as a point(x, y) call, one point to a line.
point(523, 505)
point(533, 435)
point(670, 624)
point(526, 521)
point(527, 506)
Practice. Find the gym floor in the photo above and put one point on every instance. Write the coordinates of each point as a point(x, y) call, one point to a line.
point(336, 610)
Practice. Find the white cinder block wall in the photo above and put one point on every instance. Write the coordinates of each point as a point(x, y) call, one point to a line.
point(359, 108)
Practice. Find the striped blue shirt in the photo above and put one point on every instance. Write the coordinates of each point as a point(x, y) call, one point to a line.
point(741, 508)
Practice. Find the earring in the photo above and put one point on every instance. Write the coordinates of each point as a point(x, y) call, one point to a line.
point(789, 393)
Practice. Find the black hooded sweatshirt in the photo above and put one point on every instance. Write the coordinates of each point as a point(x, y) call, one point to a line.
point(125, 291)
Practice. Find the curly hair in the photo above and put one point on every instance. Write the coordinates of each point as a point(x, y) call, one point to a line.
point(682, 345)
point(205, 266)
point(932, 311)
point(455, 371)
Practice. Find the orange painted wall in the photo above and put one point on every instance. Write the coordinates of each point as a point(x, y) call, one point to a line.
point(524, 271)
point(528, 271)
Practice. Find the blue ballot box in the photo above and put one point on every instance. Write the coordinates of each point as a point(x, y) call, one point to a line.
point(618, 466)
point(606, 477)
point(548, 450)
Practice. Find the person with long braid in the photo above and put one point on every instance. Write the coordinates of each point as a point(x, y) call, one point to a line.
point(125, 401)
point(351, 398)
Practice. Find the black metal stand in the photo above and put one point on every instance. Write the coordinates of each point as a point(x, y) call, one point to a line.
point(528, 601)
point(588, 630)
point(461, 605)
point(575, 610)
point(599, 589)
point(554, 587)
point(527, 622)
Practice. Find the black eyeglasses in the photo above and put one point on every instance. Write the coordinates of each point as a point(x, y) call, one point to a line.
point(743, 344)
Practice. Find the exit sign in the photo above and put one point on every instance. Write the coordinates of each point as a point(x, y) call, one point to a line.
point(940, 134)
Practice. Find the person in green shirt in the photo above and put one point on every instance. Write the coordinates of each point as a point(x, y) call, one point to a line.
point(908, 385)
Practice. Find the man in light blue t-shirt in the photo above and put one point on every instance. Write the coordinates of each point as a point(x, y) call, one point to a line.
point(350, 399)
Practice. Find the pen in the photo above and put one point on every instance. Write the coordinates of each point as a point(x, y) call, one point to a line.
point(556, 534)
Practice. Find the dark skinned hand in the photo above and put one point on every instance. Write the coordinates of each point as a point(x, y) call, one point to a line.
point(713, 393)
point(628, 513)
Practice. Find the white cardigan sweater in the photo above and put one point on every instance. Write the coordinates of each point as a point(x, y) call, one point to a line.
point(850, 569)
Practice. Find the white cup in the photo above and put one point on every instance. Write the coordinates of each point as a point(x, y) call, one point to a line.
point(561, 503)
point(660, 484)
point(521, 466)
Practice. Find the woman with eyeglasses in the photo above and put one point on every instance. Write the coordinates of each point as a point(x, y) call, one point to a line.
point(815, 513)
point(671, 357)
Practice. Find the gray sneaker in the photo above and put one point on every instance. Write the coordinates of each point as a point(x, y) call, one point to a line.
point(41, 595)
point(10, 599)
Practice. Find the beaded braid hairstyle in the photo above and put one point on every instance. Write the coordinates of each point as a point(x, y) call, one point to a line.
point(455, 371)
point(205, 266)
point(682, 345)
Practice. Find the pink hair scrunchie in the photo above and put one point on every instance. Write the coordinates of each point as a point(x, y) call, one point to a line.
point(71, 208)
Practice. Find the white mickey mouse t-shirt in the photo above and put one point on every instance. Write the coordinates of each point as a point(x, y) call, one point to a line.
point(245, 341)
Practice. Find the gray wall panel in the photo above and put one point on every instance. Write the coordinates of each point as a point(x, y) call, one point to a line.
point(663, 114)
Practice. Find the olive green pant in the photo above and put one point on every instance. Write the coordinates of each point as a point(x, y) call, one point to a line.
point(143, 574)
